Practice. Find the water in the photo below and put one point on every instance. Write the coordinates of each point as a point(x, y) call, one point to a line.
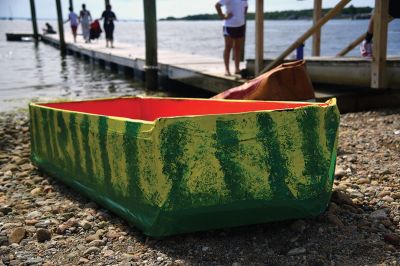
point(30, 72)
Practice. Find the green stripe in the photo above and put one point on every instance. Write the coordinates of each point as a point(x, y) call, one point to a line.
point(226, 153)
point(46, 133)
point(62, 137)
point(173, 138)
point(315, 163)
point(277, 162)
point(103, 130)
point(131, 151)
point(34, 131)
point(84, 127)
point(75, 145)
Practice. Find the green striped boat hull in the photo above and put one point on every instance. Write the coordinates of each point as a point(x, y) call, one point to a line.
point(192, 173)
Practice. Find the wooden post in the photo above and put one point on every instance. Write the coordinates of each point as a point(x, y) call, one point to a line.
point(71, 4)
point(316, 40)
point(34, 22)
point(259, 64)
point(333, 12)
point(378, 67)
point(150, 27)
point(60, 27)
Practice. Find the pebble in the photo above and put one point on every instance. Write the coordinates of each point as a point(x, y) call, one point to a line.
point(296, 251)
point(34, 214)
point(17, 235)
point(392, 239)
point(5, 210)
point(36, 191)
point(298, 226)
point(378, 215)
point(91, 250)
point(43, 235)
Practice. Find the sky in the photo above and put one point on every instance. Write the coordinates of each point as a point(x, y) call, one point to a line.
point(133, 9)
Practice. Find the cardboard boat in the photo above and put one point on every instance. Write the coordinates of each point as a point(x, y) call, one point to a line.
point(171, 166)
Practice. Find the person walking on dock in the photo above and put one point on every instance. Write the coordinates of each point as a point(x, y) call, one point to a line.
point(109, 18)
point(233, 29)
point(73, 19)
point(85, 19)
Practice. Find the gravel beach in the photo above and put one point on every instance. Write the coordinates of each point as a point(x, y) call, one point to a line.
point(43, 222)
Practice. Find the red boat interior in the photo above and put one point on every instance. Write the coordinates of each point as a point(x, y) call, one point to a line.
point(149, 109)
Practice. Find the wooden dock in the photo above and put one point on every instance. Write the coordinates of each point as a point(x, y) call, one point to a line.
point(207, 73)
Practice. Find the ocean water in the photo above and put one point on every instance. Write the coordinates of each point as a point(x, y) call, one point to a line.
point(38, 72)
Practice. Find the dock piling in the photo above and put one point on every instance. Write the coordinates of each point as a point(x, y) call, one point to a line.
point(316, 40)
point(259, 36)
point(34, 22)
point(61, 28)
point(378, 67)
point(150, 26)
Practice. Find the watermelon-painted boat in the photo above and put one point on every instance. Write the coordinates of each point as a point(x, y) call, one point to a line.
point(181, 165)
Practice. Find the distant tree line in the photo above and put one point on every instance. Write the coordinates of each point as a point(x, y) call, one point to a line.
point(350, 12)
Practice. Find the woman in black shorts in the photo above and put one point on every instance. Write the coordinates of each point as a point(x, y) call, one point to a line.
point(109, 18)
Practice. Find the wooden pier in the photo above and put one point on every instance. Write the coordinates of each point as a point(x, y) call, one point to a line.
point(206, 73)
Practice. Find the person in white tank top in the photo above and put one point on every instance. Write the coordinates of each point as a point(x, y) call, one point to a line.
point(234, 27)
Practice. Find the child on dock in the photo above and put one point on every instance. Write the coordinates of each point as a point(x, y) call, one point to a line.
point(73, 19)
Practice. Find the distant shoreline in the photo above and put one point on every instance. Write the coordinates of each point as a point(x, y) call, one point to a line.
point(350, 12)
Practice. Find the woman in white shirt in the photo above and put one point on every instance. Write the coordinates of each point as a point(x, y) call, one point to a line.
point(233, 29)
point(85, 18)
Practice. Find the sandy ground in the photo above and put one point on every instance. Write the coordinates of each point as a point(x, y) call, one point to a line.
point(43, 222)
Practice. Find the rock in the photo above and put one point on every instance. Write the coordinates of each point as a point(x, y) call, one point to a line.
point(378, 215)
point(17, 235)
point(61, 229)
point(83, 261)
point(31, 222)
point(392, 239)
point(333, 219)
point(178, 263)
point(36, 191)
point(91, 205)
point(112, 234)
point(339, 172)
point(5, 210)
point(48, 189)
point(34, 214)
point(339, 197)
point(96, 243)
point(43, 235)
point(298, 226)
point(92, 238)
point(86, 225)
point(388, 199)
point(91, 250)
point(363, 181)
point(3, 240)
point(296, 251)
